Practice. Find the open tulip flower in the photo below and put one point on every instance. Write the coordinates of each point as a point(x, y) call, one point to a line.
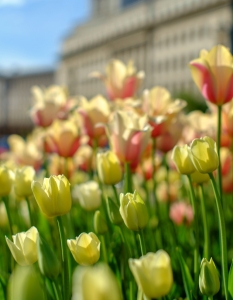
point(121, 80)
point(53, 196)
point(213, 74)
point(24, 247)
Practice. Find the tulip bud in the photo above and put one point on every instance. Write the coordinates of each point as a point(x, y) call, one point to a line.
point(53, 197)
point(109, 168)
point(204, 155)
point(23, 248)
point(209, 283)
point(153, 273)
point(47, 260)
point(85, 249)
point(89, 195)
point(95, 283)
point(23, 181)
point(182, 160)
point(6, 180)
point(100, 224)
point(133, 211)
point(113, 212)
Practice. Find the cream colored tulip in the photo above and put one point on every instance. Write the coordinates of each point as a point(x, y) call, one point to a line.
point(53, 196)
point(23, 181)
point(182, 160)
point(153, 273)
point(6, 180)
point(89, 195)
point(24, 246)
point(85, 248)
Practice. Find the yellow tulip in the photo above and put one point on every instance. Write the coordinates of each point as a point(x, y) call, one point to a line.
point(24, 246)
point(199, 178)
point(95, 283)
point(89, 195)
point(133, 211)
point(153, 273)
point(204, 155)
point(6, 180)
point(109, 168)
point(182, 160)
point(53, 196)
point(23, 181)
point(85, 248)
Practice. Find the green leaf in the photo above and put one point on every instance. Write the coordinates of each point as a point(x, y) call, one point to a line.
point(230, 281)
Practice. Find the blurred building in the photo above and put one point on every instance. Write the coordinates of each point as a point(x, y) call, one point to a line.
point(15, 100)
point(161, 36)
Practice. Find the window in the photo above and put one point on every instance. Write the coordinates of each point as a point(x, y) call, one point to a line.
point(128, 2)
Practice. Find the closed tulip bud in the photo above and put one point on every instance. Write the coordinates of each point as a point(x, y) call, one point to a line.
point(47, 260)
point(100, 224)
point(89, 195)
point(53, 196)
point(199, 178)
point(85, 248)
point(95, 283)
point(23, 181)
point(153, 273)
point(23, 248)
point(209, 283)
point(204, 155)
point(182, 160)
point(133, 211)
point(6, 180)
point(113, 212)
point(109, 168)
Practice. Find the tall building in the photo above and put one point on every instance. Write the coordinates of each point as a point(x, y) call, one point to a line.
point(161, 36)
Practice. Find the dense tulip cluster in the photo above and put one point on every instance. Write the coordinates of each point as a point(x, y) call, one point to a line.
point(122, 198)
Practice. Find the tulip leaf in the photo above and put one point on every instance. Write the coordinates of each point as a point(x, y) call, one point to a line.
point(187, 279)
point(230, 281)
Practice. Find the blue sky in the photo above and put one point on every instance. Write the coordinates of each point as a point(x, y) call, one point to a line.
point(31, 31)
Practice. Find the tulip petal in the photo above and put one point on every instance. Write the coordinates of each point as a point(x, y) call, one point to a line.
point(16, 253)
point(42, 199)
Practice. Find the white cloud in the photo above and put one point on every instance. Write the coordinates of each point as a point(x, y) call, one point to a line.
point(11, 2)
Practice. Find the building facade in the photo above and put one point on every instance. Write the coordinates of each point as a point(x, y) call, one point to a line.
point(16, 100)
point(161, 36)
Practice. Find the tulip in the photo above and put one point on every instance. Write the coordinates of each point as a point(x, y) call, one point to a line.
point(100, 224)
point(121, 81)
point(85, 248)
point(153, 273)
point(113, 212)
point(204, 155)
point(23, 248)
point(182, 160)
point(180, 213)
point(53, 196)
point(227, 169)
point(129, 135)
point(209, 283)
point(89, 195)
point(6, 180)
point(213, 74)
point(109, 168)
point(199, 178)
point(95, 283)
point(133, 211)
point(23, 181)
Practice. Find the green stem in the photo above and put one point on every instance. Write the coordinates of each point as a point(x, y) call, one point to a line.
point(5, 199)
point(115, 194)
point(196, 250)
point(128, 179)
point(210, 298)
point(29, 211)
point(131, 293)
point(56, 290)
point(222, 234)
point(65, 271)
point(142, 242)
point(153, 153)
point(218, 149)
point(124, 240)
point(103, 247)
point(206, 253)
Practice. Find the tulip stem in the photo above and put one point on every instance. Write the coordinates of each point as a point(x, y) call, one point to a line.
point(65, 270)
point(206, 251)
point(56, 290)
point(196, 231)
point(115, 194)
point(29, 211)
point(6, 200)
point(103, 246)
point(222, 233)
point(128, 179)
point(218, 149)
point(142, 241)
